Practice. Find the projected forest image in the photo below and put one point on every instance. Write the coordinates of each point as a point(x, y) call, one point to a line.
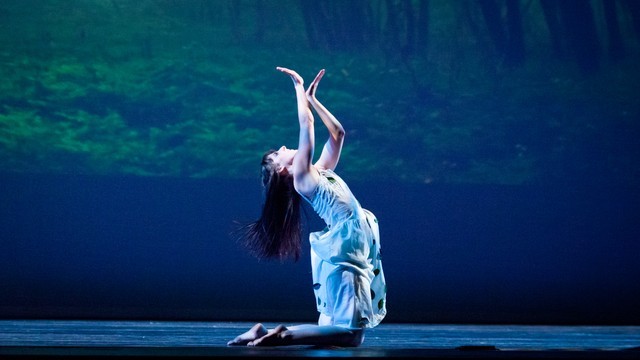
point(496, 142)
point(498, 92)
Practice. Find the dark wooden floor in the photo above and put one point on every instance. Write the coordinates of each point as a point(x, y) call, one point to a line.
point(146, 339)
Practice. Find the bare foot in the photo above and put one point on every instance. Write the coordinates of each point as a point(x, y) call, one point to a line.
point(256, 332)
point(272, 338)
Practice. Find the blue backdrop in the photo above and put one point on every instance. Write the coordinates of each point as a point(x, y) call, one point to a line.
point(154, 248)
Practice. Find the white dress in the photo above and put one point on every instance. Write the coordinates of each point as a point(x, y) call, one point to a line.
point(348, 280)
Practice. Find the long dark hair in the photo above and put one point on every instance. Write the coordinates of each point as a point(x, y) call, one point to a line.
point(277, 233)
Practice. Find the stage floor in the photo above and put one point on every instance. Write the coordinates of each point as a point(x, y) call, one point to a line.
point(90, 339)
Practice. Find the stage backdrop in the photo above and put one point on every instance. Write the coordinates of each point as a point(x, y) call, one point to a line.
point(496, 141)
point(117, 247)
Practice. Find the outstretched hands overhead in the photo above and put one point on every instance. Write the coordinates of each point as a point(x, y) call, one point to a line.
point(311, 91)
point(297, 80)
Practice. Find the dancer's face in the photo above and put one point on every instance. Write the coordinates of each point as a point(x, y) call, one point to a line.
point(283, 158)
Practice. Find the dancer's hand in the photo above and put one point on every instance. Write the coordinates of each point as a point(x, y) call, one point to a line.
point(311, 91)
point(297, 79)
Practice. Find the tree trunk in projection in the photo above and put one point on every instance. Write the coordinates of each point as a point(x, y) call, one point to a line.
point(391, 31)
point(493, 20)
point(551, 13)
point(408, 49)
point(422, 28)
point(320, 23)
point(261, 17)
point(633, 8)
point(615, 45)
point(338, 25)
point(310, 17)
point(355, 22)
point(514, 51)
point(580, 28)
point(334, 25)
point(234, 19)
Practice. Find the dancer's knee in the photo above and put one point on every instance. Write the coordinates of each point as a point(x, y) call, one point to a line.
point(356, 338)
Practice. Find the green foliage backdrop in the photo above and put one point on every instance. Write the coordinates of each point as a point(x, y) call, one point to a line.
point(188, 88)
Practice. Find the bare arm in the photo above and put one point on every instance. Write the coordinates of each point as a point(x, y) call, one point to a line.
point(333, 147)
point(305, 180)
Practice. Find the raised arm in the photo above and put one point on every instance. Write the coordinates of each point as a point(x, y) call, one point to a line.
point(333, 147)
point(305, 180)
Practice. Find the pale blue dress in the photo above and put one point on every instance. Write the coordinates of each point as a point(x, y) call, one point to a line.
point(348, 280)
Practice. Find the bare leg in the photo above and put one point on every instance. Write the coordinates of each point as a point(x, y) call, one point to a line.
point(256, 332)
point(311, 335)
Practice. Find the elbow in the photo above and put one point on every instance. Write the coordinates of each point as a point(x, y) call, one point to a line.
point(339, 134)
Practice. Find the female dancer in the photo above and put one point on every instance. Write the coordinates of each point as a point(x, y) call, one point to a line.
point(348, 280)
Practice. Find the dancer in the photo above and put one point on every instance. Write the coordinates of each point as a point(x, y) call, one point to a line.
point(348, 280)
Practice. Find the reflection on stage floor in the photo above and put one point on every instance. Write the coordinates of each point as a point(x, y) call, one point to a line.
point(84, 338)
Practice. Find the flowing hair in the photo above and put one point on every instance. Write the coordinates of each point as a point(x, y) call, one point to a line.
point(277, 233)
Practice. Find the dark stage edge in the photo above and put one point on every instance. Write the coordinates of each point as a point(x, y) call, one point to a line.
point(187, 339)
